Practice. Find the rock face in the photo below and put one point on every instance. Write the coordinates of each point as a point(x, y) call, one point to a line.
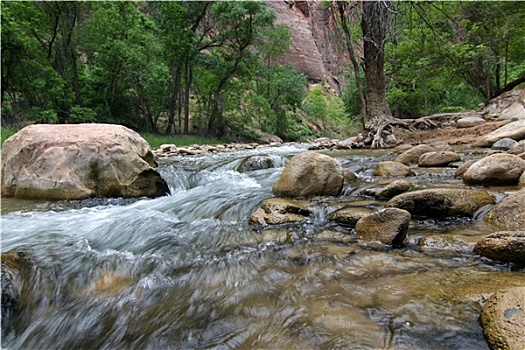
point(509, 214)
point(503, 319)
point(79, 161)
point(389, 168)
point(504, 246)
point(496, 169)
point(442, 202)
point(276, 211)
point(310, 174)
point(389, 226)
point(316, 50)
point(437, 159)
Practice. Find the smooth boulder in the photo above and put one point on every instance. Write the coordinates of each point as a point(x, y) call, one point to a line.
point(514, 130)
point(349, 216)
point(496, 169)
point(389, 226)
point(389, 168)
point(509, 214)
point(504, 246)
point(442, 202)
point(412, 155)
point(256, 162)
point(57, 162)
point(503, 319)
point(310, 174)
point(393, 189)
point(438, 159)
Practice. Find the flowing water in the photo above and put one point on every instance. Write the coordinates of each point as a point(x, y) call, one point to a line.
point(186, 271)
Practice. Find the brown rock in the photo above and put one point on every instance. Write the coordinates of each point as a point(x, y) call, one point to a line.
point(504, 246)
point(310, 174)
point(437, 159)
point(503, 319)
point(79, 161)
point(349, 216)
point(412, 155)
point(442, 202)
point(514, 130)
point(393, 189)
point(496, 169)
point(276, 211)
point(463, 167)
point(509, 214)
point(389, 168)
point(389, 226)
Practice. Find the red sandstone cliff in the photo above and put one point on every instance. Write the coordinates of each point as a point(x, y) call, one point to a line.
point(316, 45)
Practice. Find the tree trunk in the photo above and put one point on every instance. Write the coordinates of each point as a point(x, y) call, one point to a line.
point(174, 98)
point(373, 24)
point(341, 5)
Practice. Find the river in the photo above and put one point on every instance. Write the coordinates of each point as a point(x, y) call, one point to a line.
point(186, 271)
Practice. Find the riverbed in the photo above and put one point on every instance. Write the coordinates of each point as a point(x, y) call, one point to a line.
point(187, 271)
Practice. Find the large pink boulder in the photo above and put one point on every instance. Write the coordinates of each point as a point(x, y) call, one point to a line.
point(79, 161)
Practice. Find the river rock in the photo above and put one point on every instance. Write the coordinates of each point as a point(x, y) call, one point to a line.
point(442, 202)
point(509, 214)
point(389, 226)
point(349, 216)
point(463, 167)
point(517, 148)
point(504, 246)
point(390, 168)
point(504, 144)
point(310, 174)
point(521, 182)
point(411, 156)
point(438, 159)
point(503, 319)
point(496, 169)
point(468, 122)
point(393, 189)
point(276, 211)
point(256, 162)
point(514, 130)
point(79, 161)
point(12, 266)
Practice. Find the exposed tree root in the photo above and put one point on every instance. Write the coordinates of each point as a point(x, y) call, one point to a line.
point(377, 130)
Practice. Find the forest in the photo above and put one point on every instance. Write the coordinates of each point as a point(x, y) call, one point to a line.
point(211, 67)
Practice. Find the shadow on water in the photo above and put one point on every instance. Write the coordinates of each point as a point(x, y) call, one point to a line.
point(187, 271)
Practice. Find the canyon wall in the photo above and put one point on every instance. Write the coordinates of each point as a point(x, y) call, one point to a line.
point(317, 46)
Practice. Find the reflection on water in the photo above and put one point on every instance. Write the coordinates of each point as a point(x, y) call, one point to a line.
point(186, 271)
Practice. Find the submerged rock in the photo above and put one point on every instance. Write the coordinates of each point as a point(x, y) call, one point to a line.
point(389, 226)
point(503, 319)
point(496, 169)
point(442, 202)
point(257, 162)
point(79, 161)
point(504, 246)
point(310, 174)
point(509, 214)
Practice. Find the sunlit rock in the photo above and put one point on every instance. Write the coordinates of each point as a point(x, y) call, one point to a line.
point(503, 319)
point(275, 211)
point(514, 130)
point(390, 168)
point(442, 202)
point(79, 161)
point(496, 169)
point(504, 246)
point(463, 167)
point(438, 159)
point(389, 226)
point(310, 174)
point(509, 214)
